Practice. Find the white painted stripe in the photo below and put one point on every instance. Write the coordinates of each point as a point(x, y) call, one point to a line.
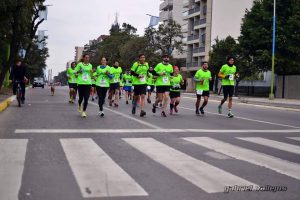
point(281, 166)
point(294, 138)
point(248, 119)
point(207, 177)
point(273, 144)
point(130, 117)
point(12, 158)
point(96, 173)
point(70, 131)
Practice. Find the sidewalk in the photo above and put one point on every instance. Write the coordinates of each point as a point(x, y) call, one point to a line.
point(284, 103)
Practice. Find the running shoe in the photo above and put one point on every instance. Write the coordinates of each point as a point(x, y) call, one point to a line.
point(230, 115)
point(154, 108)
point(202, 111)
point(149, 101)
point(197, 112)
point(133, 111)
point(176, 109)
point(83, 114)
point(220, 109)
point(163, 114)
point(142, 114)
point(79, 109)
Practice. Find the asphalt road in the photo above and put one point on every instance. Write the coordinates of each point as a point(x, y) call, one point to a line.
point(48, 152)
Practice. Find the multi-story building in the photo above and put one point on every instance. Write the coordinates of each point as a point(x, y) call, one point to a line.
point(208, 20)
point(78, 53)
point(172, 10)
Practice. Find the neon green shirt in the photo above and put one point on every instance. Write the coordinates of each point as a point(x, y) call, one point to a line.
point(175, 83)
point(94, 77)
point(150, 79)
point(140, 69)
point(163, 80)
point(72, 78)
point(116, 72)
point(227, 70)
point(102, 78)
point(85, 77)
point(203, 75)
point(127, 79)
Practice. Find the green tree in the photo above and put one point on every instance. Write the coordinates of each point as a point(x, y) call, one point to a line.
point(166, 38)
point(256, 36)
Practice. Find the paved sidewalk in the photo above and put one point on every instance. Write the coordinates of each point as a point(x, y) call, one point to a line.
point(285, 103)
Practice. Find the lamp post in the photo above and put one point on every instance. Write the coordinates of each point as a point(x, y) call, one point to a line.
point(271, 96)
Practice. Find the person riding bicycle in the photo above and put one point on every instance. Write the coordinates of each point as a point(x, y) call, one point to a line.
point(18, 75)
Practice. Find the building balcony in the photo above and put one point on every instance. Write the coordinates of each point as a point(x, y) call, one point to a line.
point(199, 50)
point(193, 37)
point(165, 15)
point(186, 3)
point(200, 24)
point(166, 4)
point(194, 10)
point(193, 64)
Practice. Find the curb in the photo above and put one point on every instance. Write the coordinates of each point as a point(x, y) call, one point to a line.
point(4, 104)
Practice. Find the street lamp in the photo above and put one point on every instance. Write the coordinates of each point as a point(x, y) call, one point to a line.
point(271, 96)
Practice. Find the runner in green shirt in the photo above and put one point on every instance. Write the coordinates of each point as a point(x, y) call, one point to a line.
point(127, 79)
point(229, 75)
point(114, 89)
point(93, 89)
point(139, 71)
point(176, 82)
point(163, 71)
point(150, 84)
point(202, 79)
point(102, 83)
point(84, 80)
point(72, 81)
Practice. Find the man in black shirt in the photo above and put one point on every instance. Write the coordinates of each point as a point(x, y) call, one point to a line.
point(18, 74)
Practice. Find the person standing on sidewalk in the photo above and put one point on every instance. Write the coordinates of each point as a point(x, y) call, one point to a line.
point(84, 80)
point(229, 75)
point(72, 81)
point(139, 71)
point(163, 71)
point(202, 79)
point(102, 83)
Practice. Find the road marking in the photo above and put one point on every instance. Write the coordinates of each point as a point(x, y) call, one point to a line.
point(273, 144)
point(96, 173)
point(205, 176)
point(248, 119)
point(12, 159)
point(70, 131)
point(294, 138)
point(281, 166)
point(129, 117)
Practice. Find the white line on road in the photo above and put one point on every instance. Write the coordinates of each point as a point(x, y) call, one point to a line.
point(129, 117)
point(294, 138)
point(205, 176)
point(96, 173)
point(12, 158)
point(56, 131)
point(273, 144)
point(248, 119)
point(281, 166)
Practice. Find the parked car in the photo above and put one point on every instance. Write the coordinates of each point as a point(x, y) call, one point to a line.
point(38, 82)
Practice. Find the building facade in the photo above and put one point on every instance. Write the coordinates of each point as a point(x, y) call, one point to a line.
point(78, 53)
point(172, 10)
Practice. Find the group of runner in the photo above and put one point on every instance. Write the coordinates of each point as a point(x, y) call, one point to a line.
point(141, 79)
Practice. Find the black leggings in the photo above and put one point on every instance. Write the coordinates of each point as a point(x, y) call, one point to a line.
point(101, 91)
point(84, 95)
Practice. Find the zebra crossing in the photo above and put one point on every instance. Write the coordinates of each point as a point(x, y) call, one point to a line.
point(98, 175)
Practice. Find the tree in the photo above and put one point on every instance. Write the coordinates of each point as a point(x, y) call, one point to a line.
point(19, 23)
point(166, 38)
point(256, 36)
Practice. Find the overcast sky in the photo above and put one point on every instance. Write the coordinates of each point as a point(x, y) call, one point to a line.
point(74, 22)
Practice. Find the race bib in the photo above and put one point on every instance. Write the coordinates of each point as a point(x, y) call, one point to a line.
point(231, 77)
point(165, 80)
point(199, 92)
point(85, 77)
point(116, 80)
point(127, 82)
point(148, 87)
point(176, 86)
point(102, 82)
point(73, 80)
point(143, 79)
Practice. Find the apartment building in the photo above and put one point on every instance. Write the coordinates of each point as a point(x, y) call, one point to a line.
point(78, 53)
point(173, 9)
point(207, 20)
